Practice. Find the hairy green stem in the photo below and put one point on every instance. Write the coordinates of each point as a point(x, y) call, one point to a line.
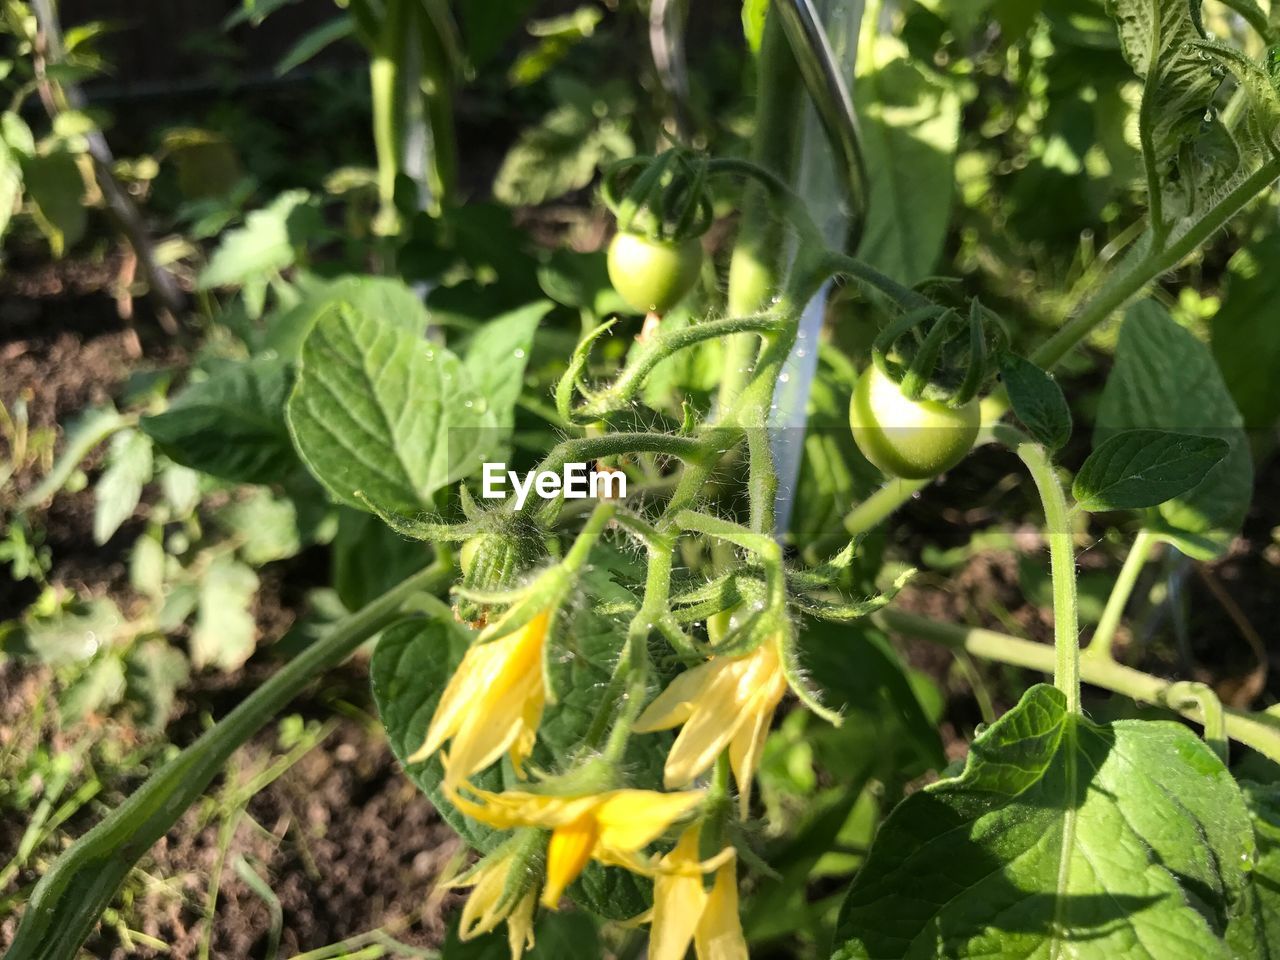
point(71, 896)
point(1258, 731)
point(1100, 645)
point(1152, 264)
point(1062, 564)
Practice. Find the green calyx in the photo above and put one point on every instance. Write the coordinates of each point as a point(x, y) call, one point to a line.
point(662, 198)
point(937, 353)
point(492, 562)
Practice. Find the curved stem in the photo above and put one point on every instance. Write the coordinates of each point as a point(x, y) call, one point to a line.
point(1191, 693)
point(1100, 645)
point(1257, 731)
point(1062, 563)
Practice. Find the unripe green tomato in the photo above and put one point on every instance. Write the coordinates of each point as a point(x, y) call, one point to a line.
point(653, 275)
point(719, 624)
point(912, 439)
point(467, 555)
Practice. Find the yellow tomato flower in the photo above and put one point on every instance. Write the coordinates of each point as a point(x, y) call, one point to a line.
point(611, 827)
point(682, 908)
point(725, 702)
point(491, 902)
point(493, 704)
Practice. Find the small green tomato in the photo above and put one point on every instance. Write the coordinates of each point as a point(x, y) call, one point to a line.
point(653, 275)
point(912, 439)
point(467, 555)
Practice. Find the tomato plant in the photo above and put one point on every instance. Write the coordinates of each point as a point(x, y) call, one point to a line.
point(800, 617)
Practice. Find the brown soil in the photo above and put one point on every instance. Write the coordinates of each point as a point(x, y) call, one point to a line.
point(345, 841)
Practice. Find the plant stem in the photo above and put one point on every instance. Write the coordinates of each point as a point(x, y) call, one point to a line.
point(71, 896)
point(1151, 265)
point(1100, 645)
point(1253, 730)
point(871, 512)
point(1062, 564)
point(1191, 693)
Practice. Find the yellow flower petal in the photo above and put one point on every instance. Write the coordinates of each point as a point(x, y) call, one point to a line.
point(678, 901)
point(567, 856)
point(674, 705)
point(717, 716)
point(482, 911)
point(493, 703)
point(719, 934)
point(458, 695)
point(516, 808)
point(520, 926)
point(632, 819)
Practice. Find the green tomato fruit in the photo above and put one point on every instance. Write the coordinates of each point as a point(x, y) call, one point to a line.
point(719, 624)
point(912, 439)
point(467, 555)
point(653, 275)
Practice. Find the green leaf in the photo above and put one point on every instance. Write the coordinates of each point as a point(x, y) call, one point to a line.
point(1037, 401)
point(562, 152)
point(56, 191)
point(1144, 468)
point(1060, 838)
point(264, 526)
point(361, 537)
point(154, 672)
point(496, 357)
point(266, 244)
point(118, 490)
point(230, 425)
point(225, 633)
point(386, 298)
point(1255, 931)
point(910, 127)
point(313, 42)
point(556, 935)
point(488, 24)
point(1166, 379)
point(99, 687)
point(10, 181)
point(74, 633)
point(1246, 338)
point(1154, 37)
point(858, 672)
point(378, 410)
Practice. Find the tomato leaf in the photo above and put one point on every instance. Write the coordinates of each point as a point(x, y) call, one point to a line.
point(118, 490)
point(1166, 379)
point(1255, 930)
point(1144, 468)
point(1246, 338)
point(910, 128)
point(386, 298)
point(496, 357)
point(377, 409)
point(230, 425)
point(1037, 401)
point(1060, 837)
